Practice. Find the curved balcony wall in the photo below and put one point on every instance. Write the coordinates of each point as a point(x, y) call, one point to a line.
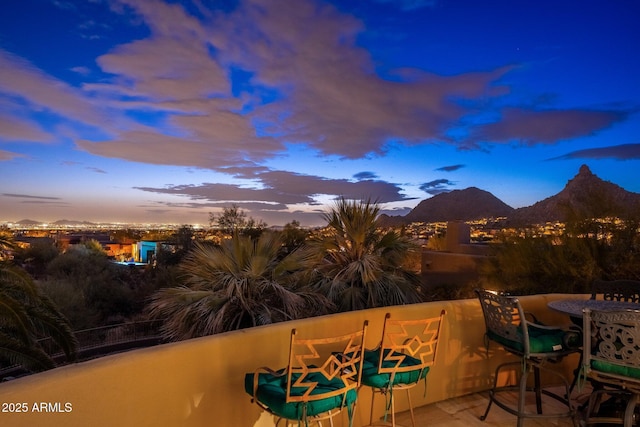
point(199, 382)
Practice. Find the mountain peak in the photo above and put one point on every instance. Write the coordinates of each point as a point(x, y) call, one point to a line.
point(463, 205)
point(584, 196)
point(584, 170)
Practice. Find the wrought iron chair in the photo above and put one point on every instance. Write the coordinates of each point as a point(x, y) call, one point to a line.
point(320, 380)
point(535, 344)
point(612, 359)
point(402, 360)
point(617, 290)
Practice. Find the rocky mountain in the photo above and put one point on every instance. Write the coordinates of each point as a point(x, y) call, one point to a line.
point(462, 205)
point(584, 196)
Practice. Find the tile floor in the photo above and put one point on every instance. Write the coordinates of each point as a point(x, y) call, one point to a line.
point(465, 411)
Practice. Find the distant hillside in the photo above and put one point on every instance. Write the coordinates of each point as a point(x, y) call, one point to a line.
point(584, 196)
point(67, 222)
point(462, 205)
point(28, 222)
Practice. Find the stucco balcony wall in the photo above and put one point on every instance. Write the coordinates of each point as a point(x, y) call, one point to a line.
point(200, 382)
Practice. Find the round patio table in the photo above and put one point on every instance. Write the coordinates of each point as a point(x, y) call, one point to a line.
point(573, 307)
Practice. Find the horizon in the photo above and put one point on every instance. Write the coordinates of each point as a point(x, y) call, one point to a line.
point(74, 222)
point(162, 112)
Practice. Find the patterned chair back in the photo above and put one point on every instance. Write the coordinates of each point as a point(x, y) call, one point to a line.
point(611, 352)
point(617, 290)
point(335, 359)
point(504, 318)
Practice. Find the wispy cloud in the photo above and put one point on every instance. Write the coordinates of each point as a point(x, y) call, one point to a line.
point(96, 170)
point(365, 175)
point(30, 196)
point(530, 127)
point(437, 186)
point(618, 152)
point(8, 155)
point(281, 189)
point(15, 128)
point(450, 168)
point(26, 84)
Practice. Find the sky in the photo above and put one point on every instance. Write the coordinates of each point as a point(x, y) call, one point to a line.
point(165, 111)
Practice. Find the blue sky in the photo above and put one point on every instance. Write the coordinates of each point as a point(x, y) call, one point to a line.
point(165, 111)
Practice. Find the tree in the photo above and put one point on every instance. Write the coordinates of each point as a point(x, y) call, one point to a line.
point(89, 289)
point(6, 242)
point(293, 236)
point(233, 221)
point(242, 283)
point(27, 315)
point(362, 266)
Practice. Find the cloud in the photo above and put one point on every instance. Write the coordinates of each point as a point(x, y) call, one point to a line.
point(450, 168)
point(618, 152)
point(18, 129)
point(307, 81)
point(365, 175)
point(280, 189)
point(27, 85)
point(29, 196)
point(530, 127)
point(96, 170)
point(8, 155)
point(437, 186)
point(330, 95)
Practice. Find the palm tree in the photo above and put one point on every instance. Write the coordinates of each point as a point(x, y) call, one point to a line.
point(27, 315)
point(362, 266)
point(241, 283)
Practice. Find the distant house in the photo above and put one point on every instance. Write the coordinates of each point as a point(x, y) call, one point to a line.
point(459, 262)
point(146, 250)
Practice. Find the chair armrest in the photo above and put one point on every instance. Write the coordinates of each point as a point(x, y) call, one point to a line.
point(534, 319)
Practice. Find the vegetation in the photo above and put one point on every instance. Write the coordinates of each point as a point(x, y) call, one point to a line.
point(233, 221)
point(243, 282)
point(589, 249)
point(27, 315)
point(362, 266)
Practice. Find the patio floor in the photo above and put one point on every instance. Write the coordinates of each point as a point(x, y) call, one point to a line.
point(465, 411)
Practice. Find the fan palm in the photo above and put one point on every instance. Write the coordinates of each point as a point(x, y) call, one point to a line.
point(241, 283)
point(362, 266)
point(25, 316)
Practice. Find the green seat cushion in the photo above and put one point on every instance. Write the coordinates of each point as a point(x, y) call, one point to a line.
point(542, 340)
point(612, 368)
point(272, 393)
point(372, 378)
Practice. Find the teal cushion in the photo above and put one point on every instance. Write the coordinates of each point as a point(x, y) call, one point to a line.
point(272, 391)
point(612, 368)
point(542, 340)
point(372, 378)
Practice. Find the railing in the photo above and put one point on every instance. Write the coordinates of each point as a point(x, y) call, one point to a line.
point(107, 336)
point(100, 341)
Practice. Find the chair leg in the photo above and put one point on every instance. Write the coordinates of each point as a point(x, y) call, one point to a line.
point(413, 420)
point(523, 395)
point(631, 407)
point(393, 411)
point(491, 393)
point(373, 398)
point(576, 375)
point(538, 389)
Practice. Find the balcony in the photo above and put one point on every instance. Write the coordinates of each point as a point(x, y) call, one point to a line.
point(200, 382)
